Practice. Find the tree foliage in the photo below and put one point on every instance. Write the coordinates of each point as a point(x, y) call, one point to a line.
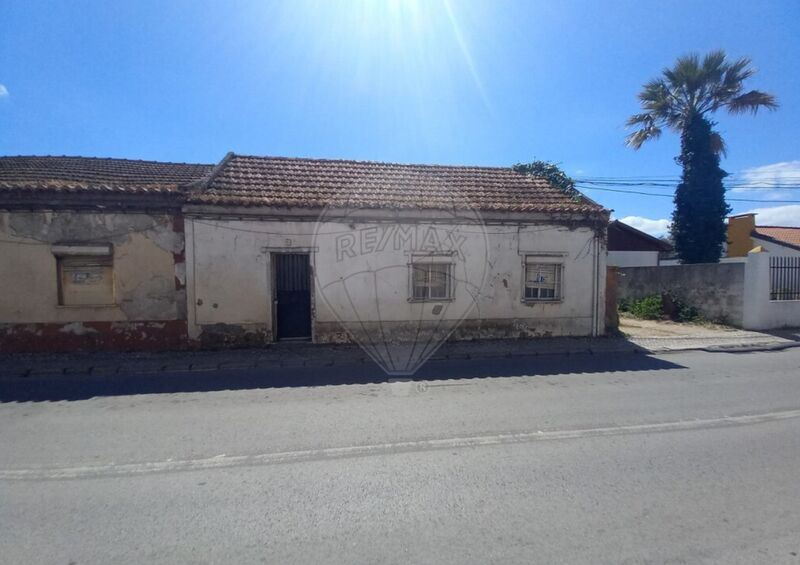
point(695, 88)
point(681, 100)
point(552, 173)
point(698, 221)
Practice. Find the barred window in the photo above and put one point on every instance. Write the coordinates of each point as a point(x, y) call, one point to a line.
point(543, 281)
point(431, 281)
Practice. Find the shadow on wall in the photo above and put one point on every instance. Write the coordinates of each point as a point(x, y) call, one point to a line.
point(65, 387)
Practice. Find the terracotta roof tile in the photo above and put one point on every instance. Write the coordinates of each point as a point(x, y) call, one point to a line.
point(312, 183)
point(91, 174)
point(305, 183)
point(789, 235)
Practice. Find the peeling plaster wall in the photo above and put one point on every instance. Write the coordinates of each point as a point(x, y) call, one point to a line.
point(229, 281)
point(148, 266)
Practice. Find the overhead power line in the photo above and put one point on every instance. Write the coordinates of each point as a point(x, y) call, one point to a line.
point(672, 185)
point(676, 178)
point(779, 175)
point(642, 193)
point(643, 185)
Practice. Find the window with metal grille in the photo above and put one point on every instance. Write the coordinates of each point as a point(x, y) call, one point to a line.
point(543, 281)
point(431, 281)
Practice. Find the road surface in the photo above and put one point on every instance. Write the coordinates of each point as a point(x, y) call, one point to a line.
point(682, 458)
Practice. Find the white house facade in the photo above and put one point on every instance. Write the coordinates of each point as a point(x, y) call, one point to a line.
point(389, 250)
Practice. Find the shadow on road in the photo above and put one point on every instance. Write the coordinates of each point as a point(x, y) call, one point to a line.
point(65, 387)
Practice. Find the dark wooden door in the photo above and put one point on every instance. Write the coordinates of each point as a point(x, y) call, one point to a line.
point(292, 295)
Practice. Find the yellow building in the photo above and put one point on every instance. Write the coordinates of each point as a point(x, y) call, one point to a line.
point(744, 235)
point(740, 229)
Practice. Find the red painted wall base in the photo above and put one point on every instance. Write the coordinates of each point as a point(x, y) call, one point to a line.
point(94, 336)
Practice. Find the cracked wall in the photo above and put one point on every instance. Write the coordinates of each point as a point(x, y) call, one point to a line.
point(148, 266)
point(230, 282)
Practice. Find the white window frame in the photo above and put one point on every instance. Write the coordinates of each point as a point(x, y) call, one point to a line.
point(534, 261)
point(426, 263)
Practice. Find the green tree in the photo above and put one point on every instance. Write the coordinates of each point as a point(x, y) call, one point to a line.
point(683, 99)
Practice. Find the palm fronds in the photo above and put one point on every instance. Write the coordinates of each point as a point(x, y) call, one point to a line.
point(695, 87)
point(751, 102)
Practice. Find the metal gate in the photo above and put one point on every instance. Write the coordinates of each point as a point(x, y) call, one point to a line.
point(784, 278)
point(292, 295)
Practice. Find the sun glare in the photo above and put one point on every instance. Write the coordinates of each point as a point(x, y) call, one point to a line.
point(400, 44)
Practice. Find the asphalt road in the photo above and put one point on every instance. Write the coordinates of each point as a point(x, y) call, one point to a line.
point(681, 458)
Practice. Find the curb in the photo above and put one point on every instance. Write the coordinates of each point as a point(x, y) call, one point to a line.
point(750, 348)
point(114, 370)
point(735, 348)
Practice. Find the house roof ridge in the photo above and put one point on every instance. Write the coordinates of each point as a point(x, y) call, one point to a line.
point(206, 181)
point(252, 180)
point(369, 162)
point(310, 182)
point(116, 159)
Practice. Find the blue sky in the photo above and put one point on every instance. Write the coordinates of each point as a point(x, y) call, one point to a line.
point(428, 81)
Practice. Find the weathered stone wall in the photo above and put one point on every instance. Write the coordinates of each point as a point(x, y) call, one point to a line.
point(715, 289)
point(149, 279)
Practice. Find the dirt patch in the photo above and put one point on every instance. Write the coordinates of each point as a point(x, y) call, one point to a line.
point(634, 327)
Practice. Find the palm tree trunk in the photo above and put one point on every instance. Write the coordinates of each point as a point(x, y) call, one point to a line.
point(698, 222)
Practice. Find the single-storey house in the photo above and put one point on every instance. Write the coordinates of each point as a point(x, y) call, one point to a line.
point(112, 253)
point(783, 240)
point(92, 253)
point(629, 247)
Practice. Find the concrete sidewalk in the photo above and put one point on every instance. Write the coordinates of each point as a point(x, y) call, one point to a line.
point(291, 355)
point(663, 336)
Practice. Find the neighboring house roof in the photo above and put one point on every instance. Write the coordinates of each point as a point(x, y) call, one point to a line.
point(92, 174)
point(318, 183)
point(788, 236)
point(622, 237)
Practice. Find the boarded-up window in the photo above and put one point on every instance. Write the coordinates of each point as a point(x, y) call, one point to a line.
point(543, 281)
point(85, 280)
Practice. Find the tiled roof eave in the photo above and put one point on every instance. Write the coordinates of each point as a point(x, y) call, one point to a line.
point(274, 182)
point(321, 205)
point(75, 187)
point(776, 241)
point(88, 199)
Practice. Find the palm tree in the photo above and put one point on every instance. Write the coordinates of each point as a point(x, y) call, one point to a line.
point(682, 99)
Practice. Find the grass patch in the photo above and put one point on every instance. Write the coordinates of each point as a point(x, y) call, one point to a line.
point(660, 307)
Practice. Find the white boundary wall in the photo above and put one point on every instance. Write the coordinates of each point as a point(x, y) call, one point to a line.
point(761, 313)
